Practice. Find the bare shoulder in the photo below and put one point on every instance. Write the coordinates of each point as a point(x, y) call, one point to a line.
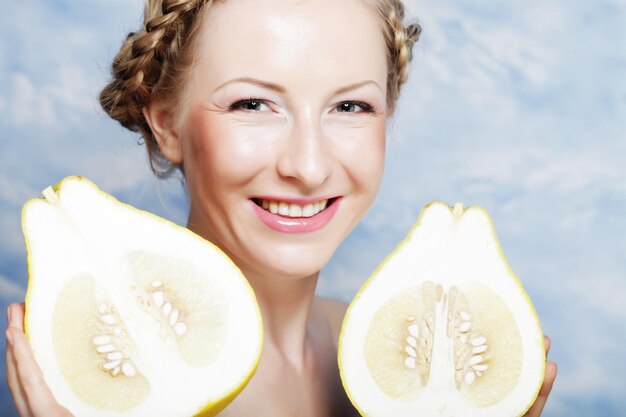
point(334, 311)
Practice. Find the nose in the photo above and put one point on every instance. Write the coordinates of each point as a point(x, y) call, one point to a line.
point(306, 158)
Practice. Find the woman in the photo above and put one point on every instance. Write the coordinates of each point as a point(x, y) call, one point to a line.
point(275, 111)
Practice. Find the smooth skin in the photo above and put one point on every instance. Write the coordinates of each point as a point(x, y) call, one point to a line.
point(282, 119)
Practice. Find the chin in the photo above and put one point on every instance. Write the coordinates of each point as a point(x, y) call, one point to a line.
point(291, 263)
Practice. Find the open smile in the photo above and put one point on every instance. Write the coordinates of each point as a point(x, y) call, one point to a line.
point(292, 209)
point(295, 216)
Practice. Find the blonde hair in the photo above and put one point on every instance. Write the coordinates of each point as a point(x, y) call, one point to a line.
point(152, 62)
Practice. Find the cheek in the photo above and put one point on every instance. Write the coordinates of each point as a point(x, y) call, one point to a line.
point(222, 150)
point(362, 152)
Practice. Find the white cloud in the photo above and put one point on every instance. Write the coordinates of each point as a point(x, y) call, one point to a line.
point(480, 54)
point(506, 49)
point(588, 380)
point(50, 105)
point(566, 172)
point(129, 159)
point(12, 242)
point(11, 290)
point(574, 171)
point(14, 191)
point(341, 283)
point(520, 186)
point(72, 92)
point(576, 219)
point(588, 312)
point(27, 106)
point(608, 295)
point(544, 19)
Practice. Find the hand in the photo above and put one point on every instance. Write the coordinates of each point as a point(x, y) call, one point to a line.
point(31, 395)
point(540, 402)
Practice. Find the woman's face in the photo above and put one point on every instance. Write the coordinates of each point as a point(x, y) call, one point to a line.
point(284, 111)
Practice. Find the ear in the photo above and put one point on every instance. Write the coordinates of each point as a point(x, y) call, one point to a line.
point(163, 128)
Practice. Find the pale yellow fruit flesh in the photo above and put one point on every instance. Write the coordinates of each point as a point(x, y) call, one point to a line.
point(76, 323)
point(386, 343)
point(204, 313)
point(494, 321)
point(76, 354)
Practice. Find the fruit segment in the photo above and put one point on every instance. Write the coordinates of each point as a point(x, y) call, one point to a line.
point(427, 336)
point(191, 318)
point(129, 314)
point(443, 327)
point(90, 352)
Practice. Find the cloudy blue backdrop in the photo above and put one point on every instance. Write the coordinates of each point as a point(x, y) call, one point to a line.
point(519, 106)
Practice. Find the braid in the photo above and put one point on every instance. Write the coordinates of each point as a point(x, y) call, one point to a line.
point(147, 64)
point(400, 40)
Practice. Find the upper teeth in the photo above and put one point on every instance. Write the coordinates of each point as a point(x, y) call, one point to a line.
point(292, 209)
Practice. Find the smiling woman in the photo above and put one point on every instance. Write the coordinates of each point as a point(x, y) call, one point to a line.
point(275, 112)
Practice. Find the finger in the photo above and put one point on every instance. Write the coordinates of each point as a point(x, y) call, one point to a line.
point(15, 321)
point(16, 318)
point(38, 397)
point(544, 392)
point(19, 397)
point(547, 342)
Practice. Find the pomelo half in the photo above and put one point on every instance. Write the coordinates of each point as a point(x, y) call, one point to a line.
point(443, 328)
point(129, 314)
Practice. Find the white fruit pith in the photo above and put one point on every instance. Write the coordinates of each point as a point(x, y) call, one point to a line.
point(129, 314)
point(443, 327)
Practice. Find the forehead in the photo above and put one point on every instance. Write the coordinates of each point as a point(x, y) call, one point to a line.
point(288, 41)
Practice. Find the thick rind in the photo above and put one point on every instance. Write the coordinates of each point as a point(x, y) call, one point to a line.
point(407, 238)
point(209, 409)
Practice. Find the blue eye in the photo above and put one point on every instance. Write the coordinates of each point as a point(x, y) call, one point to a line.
point(250, 105)
point(354, 107)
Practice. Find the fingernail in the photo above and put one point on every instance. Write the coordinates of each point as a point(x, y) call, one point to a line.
point(8, 315)
point(9, 337)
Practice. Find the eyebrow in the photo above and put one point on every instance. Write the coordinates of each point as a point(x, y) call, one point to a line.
point(260, 83)
point(357, 85)
point(281, 89)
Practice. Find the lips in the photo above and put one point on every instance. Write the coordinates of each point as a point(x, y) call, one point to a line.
point(295, 215)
